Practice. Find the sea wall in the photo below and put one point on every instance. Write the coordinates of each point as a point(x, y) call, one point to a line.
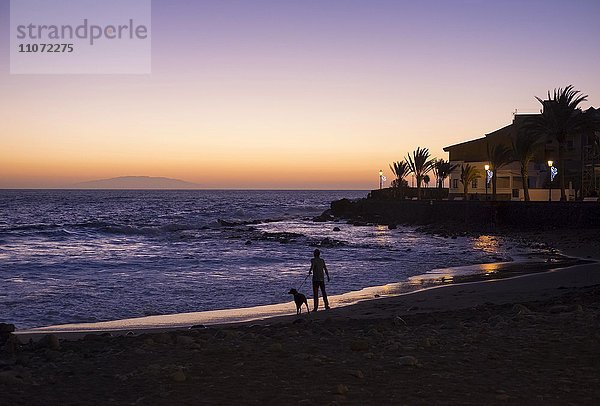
point(471, 214)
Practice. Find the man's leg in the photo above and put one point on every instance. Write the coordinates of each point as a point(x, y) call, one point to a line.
point(324, 295)
point(316, 295)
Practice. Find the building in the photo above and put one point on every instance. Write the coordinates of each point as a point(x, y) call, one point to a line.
point(582, 165)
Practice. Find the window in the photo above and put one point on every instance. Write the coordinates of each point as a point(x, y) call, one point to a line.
point(474, 183)
point(515, 193)
point(455, 183)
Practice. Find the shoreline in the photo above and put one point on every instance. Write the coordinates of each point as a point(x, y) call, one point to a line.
point(434, 279)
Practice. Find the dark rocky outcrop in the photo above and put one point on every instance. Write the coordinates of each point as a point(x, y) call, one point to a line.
point(467, 215)
point(5, 332)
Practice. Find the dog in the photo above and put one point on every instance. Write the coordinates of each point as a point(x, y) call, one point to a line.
point(300, 299)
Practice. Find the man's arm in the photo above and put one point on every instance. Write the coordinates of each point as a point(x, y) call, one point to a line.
point(326, 271)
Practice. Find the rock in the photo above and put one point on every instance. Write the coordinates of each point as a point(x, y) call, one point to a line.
point(162, 338)
point(178, 376)
point(197, 326)
point(359, 345)
point(392, 226)
point(50, 341)
point(7, 328)
point(298, 321)
point(520, 309)
point(5, 332)
point(277, 347)
point(429, 342)
point(336, 229)
point(248, 242)
point(559, 309)
point(357, 373)
point(407, 360)
point(341, 389)
point(185, 341)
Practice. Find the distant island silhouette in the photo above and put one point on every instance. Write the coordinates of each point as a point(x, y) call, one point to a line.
point(136, 182)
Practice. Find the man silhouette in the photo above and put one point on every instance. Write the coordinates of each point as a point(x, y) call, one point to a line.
point(318, 270)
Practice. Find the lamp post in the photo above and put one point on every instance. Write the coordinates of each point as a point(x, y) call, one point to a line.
point(380, 179)
point(550, 163)
point(487, 180)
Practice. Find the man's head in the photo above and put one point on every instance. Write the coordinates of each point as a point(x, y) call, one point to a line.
point(317, 253)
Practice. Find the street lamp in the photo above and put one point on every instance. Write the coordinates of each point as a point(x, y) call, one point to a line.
point(550, 163)
point(487, 180)
point(380, 179)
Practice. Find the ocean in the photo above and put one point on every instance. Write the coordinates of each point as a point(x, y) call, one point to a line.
point(74, 256)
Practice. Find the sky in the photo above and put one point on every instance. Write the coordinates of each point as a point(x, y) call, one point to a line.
point(295, 94)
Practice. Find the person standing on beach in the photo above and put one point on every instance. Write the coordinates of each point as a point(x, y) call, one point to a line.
point(318, 270)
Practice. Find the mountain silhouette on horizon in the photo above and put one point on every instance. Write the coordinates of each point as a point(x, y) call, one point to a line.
point(136, 182)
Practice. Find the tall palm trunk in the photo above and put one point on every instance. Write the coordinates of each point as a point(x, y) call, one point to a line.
point(561, 171)
point(418, 188)
point(494, 177)
point(525, 180)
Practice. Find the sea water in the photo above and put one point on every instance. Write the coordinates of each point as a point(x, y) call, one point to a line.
point(73, 256)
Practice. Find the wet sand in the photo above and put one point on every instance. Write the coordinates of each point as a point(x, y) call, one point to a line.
point(531, 339)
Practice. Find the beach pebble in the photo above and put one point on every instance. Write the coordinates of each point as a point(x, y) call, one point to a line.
point(429, 342)
point(178, 376)
point(336, 229)
point(521, 309)
point(162, 338)
point(185, 340)
point(407, 360)
point(341, 389)
point(359, 345)
point(559, 309)
point(50, 341)
point(277, 347)
point(357, 373)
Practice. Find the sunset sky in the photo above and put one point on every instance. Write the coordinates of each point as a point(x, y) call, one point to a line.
point(295, 94)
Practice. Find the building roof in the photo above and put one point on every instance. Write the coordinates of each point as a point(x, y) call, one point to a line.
point(476, 150)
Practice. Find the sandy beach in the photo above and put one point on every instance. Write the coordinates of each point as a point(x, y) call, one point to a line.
point(529, 339)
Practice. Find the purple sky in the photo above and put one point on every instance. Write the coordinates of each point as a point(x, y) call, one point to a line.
point(296, 94)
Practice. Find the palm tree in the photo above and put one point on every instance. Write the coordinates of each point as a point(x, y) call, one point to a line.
point(468, 174)
point(419, 164)
point(401, 170)
point(523, 148)
point(499, 155)
point(561, 116)
point(426, 180)
point(441, 170)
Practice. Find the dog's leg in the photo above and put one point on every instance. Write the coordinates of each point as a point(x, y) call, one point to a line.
point(307, 309)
